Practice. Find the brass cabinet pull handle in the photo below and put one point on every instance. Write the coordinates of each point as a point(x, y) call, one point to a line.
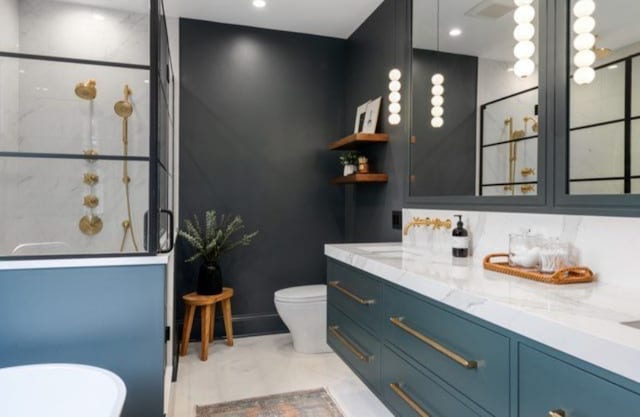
point(335, 330)
point(360, 300)
point(407, 399)
point(557, 413)
point(398, 321)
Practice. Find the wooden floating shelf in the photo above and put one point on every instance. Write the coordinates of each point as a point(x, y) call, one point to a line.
point(353, 141)
point(360, 178)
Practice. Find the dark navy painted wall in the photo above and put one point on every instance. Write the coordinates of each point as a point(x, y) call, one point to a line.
point(258, 109)
point(107, 317)
point(381, 43)
point(444, 159)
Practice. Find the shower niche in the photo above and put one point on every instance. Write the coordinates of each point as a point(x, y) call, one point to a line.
point(81, 126)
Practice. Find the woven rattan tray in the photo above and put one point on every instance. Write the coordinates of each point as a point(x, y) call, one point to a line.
point(573, 275)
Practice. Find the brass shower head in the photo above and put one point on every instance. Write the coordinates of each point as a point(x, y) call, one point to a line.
point(86, 90)
point(534, 127)
point(123, 108)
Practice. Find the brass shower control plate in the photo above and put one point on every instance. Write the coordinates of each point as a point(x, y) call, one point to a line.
point(90, 225)
point(91, 178)
point(91, 201)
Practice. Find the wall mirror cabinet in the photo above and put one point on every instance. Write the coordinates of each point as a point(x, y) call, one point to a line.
point(535, 103)
point(598, 107)
point(477, 112)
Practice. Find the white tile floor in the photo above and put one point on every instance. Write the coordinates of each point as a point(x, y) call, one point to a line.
point(266, 365)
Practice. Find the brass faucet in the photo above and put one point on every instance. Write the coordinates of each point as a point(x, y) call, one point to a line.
point(427, 222)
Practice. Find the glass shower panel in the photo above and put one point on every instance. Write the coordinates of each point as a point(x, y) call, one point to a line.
point(602, 100)
point(75, 29)
point(71, 206)
point(495, 129)
point(41, 112)
point(635, 148)
point(597, 152)
point(597, 187)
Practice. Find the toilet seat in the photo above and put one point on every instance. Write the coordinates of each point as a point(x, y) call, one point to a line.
point(304, 294)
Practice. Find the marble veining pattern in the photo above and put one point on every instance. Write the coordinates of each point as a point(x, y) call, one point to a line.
point(582, 320)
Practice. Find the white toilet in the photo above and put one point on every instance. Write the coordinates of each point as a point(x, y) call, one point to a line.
point(304, 311)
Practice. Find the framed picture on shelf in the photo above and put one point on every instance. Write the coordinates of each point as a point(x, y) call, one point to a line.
point(371, 119)
point(361, 116)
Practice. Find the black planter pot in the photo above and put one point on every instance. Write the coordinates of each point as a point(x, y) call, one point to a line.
point(209, 279)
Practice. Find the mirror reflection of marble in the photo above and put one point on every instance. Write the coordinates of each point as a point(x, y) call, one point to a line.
point(604, 136)
point(490, 115)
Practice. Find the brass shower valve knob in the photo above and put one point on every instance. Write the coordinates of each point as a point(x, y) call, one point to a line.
point(91, 201)
point(526, 172)
point(526, 189)
point(91, 178)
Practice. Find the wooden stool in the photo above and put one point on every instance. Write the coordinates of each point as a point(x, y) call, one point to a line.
point(207, 304)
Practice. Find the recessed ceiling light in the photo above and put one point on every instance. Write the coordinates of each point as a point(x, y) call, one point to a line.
point(455, 32)
point(146, 81)
point(510, 69)
point(614, 66)
point(97, 16)
point(259, 3)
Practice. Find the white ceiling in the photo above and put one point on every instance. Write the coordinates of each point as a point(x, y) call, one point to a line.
point(616, 27)
point(334, 18)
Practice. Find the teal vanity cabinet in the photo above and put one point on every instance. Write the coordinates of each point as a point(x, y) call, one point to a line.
point(426, 359)
point(552, 387)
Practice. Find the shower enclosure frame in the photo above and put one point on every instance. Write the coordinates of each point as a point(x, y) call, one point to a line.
point(157, 23)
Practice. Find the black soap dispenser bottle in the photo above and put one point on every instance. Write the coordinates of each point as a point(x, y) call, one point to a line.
point(460, 240)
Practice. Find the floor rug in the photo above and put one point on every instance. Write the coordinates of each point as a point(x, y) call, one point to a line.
point(312, 403)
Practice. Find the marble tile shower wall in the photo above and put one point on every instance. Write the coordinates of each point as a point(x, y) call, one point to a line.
point(39, 112)
point(608, 245)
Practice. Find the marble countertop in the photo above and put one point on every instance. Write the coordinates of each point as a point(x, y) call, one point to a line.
point(84, 262)
point(582, 320)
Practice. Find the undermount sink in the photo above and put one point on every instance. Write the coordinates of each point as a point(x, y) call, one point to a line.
point(60, 390)
point(634, 324)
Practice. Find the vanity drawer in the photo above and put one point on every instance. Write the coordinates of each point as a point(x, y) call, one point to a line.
point(356, 294)
point(467, 356)
point(412, 394)
point(356, 346)
point(546, 384)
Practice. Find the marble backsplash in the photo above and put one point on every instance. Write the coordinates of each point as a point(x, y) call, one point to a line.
point(608, 245)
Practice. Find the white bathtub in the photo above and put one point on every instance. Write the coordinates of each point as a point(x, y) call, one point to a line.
point(60, 390)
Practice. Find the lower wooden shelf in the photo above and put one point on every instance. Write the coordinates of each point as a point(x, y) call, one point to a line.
point(360, 178)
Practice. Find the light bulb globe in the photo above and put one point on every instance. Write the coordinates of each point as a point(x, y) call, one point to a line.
point(437, 90)
point(437, 79)
point(395, 74)
point(394, 108)
point(524, 68)
point(524, 32)
point(394, 119)
point(437, 101)
point(524, 14)
point(395, 86)
point(584, 41)
point(437, 122)
point(524, 50)
point(394, 97)
point(584, 24)
point(584, 58)
point(584, 75)
point(437, 111)
point(584, 8)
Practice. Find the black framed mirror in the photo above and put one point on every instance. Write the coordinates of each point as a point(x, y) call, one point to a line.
point(475, 108)
point(598, 107)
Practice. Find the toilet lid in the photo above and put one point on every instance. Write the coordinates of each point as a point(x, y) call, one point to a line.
point(307, 293)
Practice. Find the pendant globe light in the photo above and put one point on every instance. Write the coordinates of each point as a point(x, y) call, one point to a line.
point(437, 85)
point(394, 84)
point(523, 34)
point(584, 42)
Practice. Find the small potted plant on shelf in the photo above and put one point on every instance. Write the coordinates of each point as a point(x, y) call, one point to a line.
point(349, 160)
point(210, 243)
